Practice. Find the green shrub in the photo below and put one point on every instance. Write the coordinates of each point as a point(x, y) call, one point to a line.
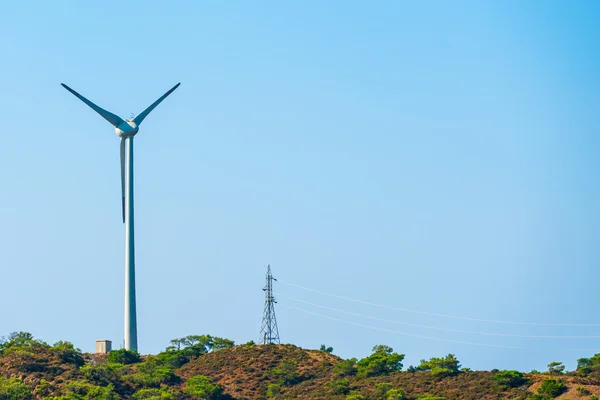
point(68, 353)
point(510, 378)
point(273, 390)
point(581, 391)
point(341, 386)
point(14, 389)
point(202, 387)
point(154, 394)
point(383, 361)
point(124, 356)
point(79, 390)
point(287, 371)
point(345, 367)
point(355, 396)
point(396, 394)
point(551, 388)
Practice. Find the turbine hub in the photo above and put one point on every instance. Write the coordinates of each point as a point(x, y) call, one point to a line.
point(126, 129)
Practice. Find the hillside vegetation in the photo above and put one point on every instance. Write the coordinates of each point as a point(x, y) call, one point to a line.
point(213, 368)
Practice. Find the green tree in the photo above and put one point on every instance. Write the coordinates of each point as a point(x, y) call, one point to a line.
point(124, 356)
point(222, 343)
point(556, 368)
point(551, 388)
point(587, 365)
point(202, 387)
point(326, 349)
point(340, 386)
point(441, 366)
point(345, 367)
point(510, 378)
point(383, 361)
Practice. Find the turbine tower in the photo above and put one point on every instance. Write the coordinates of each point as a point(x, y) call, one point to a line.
point(268, 332)
point(126, 130)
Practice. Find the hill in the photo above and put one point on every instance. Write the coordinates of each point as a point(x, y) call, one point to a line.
point(206, 367)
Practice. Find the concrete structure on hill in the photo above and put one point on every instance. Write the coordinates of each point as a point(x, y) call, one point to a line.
point(103, 346)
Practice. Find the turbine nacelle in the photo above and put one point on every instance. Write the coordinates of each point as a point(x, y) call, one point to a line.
point(127, 129)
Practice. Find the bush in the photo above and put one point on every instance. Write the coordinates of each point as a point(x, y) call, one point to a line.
point(383, 361)
point(581, 391)
point(287, 371)
point(355, 396)
point(551, 388)
point(341, 386)
point(68, 353)
point(14, 389)
point(396, 394)
point(85, 391)
point(202, 387)
point(273, 390)
point(154, 394)
point(124, 356)
point(345, 367)
point(510, 378)
point(444, 366)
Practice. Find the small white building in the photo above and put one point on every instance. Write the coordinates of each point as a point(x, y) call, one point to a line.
point(103, 346)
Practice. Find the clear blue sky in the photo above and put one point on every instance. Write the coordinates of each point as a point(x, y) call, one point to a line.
point(423, 155)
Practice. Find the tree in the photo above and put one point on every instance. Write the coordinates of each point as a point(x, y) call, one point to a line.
point(383, 361)
point(395, 394)
point(326, 349)
point(124, 356)
point(556, 368)
point(441, 366)
point(202, 387)
point(345, 367)
point(222, 343)
point(510, 378)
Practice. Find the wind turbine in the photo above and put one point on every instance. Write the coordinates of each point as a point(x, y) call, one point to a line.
point(126, 130)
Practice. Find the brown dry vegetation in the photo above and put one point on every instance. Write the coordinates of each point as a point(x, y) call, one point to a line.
point(246, 371)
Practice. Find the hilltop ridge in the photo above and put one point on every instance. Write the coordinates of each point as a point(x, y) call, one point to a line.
point(207, 367)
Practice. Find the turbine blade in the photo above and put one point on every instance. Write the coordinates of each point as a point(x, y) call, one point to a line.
point(110, 117)
point(123, 177)
point(140, 117)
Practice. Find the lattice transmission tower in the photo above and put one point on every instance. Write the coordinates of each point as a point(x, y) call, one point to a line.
point(268, 332)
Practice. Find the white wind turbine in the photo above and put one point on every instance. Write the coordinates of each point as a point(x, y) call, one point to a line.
point(126, 130)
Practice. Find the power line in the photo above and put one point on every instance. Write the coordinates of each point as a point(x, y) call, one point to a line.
point(434, 314)
point(401, 333)
point(269, 333)
point(438, 328)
